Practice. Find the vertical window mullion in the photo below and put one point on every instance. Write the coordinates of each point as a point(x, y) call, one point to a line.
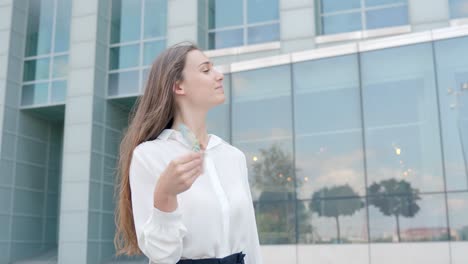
point(319, 26)
point(51, 55)
point(363, 15)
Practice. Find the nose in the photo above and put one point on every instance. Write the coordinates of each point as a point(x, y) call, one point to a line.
point(219, 75)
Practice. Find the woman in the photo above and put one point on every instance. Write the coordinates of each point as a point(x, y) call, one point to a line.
point(176, 205)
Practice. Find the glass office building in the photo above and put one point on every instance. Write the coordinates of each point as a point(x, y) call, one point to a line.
point(353, 116)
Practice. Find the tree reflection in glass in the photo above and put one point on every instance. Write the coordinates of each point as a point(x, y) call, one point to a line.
point(325, 203)
point(276, 208)
point(394, 198)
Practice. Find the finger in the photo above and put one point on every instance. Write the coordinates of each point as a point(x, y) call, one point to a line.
point(190, 165)
point(193, 174)
point(188, 157)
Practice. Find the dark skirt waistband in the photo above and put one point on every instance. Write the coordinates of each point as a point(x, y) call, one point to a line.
point(237, 258)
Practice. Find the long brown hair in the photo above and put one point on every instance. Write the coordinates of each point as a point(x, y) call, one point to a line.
point(153, 112)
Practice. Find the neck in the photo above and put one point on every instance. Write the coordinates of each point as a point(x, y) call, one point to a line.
point(195, 121)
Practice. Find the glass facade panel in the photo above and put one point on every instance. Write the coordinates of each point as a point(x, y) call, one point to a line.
point(262, 34)
point(39, 28)
point(47, 44)
point(62, 26)
point(155, 18)
point(327, 114)
point(458, 216)
point(226, 38)
point(124, 57)
point(35, 94)
point(407, 218)
point(401, 119)
point(341, 23)
point(332, 220)
point(58, 91)
point(340, 17)
point(143, 23)
point(262, 11)
point(275, 221)
point(231, 24)
point(122, 83)
point(36, 69)
point(151, 50)
point(329, 6)
point(458, 8)
point(225, 13)
point(370, 3)
point(125, 23)
point(452, 78)
point(60, 67)
point(259, 96)
point(388, 17)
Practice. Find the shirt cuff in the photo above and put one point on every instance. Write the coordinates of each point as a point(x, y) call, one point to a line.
point(166, 218)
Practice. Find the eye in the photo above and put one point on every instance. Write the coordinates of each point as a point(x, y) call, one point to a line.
point(207, 70)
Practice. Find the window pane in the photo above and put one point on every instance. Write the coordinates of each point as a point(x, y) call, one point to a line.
point(123, 83)
point(401, 117)
point(329, 97)
point(60, 69)
point(262, 10)
point(404, 218)
point(259, 96)
point(125, 24)
point(388, 17)
point(276, 222)
point(39, 31)
point(225, 13)
point(124, 57)
point(328, 125)
point(34, 94)
point(36, 70)
point(328, 6)
point(59, 91)
point(333, 220)
point(155, 18)
point(341, 23)
point(458, 216)
point(458, 8)
point(226, 39)
point(261, 34)
point(151, 50)
point(62, 26)
point(452, 76)
point(384, 2)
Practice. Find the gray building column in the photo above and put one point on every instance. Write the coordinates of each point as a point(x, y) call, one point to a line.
point(6, 148)
point(182, 22)
point(297, 25)
point(22, 147)
point(83, 237)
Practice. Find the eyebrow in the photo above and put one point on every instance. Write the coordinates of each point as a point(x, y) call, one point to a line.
point(206, 62)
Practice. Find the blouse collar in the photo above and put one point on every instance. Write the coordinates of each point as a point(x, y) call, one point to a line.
point(167, 133)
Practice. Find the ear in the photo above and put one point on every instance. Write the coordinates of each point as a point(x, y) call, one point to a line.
point(178, 89)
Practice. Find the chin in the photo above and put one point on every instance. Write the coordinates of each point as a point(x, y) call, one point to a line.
point(220, 99)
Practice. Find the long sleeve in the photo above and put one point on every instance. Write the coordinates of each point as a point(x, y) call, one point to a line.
point(253, 253)
point(159, 233)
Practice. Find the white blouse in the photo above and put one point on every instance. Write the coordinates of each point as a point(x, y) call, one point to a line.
point(215, 217)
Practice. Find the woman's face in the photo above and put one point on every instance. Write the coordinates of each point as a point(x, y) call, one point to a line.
point(202, 86)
